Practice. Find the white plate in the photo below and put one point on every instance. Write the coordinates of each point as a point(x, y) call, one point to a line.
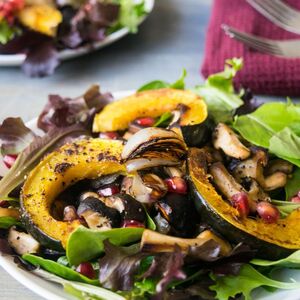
point(52, 291)
point(12, 60)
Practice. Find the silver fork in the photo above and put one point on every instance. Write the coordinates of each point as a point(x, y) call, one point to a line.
point(279, 13)
point(288, 48)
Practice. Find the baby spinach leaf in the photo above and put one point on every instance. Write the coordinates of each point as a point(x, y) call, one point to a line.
point(58, 269)
point(85, 244)
point(6, 222)
point(286, 144)
point(7, 32)
point(247, 280)
point(218, 91)
point(159, 84)
point(293, 185)
point(292, 261)
point(270, 118)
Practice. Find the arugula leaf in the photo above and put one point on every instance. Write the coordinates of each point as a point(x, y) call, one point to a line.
point(159, 84)
point(58, 269)
point(163, 120)
point(293, 185)
point(85, 244)
point(292, 261)
point(247, 280)
point(7, 222)
point(7, 32)
point(218, 91)
point(78, 289)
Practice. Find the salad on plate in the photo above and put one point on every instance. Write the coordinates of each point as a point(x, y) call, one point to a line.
point(169, 193)
point(42, 29)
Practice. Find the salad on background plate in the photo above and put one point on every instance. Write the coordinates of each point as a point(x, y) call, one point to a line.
point(37, 34)
point(168, 193)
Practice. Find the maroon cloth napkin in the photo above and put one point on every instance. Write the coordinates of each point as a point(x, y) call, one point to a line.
point(262, 73)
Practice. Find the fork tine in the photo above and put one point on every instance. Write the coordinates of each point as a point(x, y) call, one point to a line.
point(279, 13)
point(259, 44)
point(270, 8)
point(283, 8)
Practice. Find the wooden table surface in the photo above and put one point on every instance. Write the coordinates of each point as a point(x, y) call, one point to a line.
point(172, 38)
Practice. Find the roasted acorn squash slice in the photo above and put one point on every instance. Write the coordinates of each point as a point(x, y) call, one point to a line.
point(271, 241)
point(71, 163)
point(194, 122)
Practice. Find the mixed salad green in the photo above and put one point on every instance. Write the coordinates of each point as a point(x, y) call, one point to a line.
point(115, 266)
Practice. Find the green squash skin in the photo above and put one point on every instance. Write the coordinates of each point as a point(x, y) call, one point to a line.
point(197, 135)
point(265, 250)
point(39, 235)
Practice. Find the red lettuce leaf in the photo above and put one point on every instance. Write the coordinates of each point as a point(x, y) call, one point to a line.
point(14, 136)
point(61, 112)
point(41, 59)
point(34, 152)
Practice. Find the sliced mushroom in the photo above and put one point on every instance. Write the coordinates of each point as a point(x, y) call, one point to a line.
point(156, 242)
point(97, 215)
point(152, 147)
point(252, 167)
point(88, 194)
point(225, 183)
point(279, 165)
point(275, 181)
point(22, 242)
point(224, 138)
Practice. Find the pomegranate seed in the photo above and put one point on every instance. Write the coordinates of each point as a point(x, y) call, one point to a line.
point(9, 160)
point(112, 135)
point(298, 194)
point(240, 201)
point(87, 270)
point(145, 122)
point(295, 199)
point(4, 204)
point(133, 223)
point(268, 212)
point(109, 191)
point(176, 185)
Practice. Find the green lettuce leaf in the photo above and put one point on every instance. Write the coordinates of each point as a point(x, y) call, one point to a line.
point(292, 261)
point(179, 84)
point(247, 280)
point(78, 289)
point(218, 91)
point(131, 14)
point(85, 244)
point(7, 32)
point(58, 269)
point(285, 207)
